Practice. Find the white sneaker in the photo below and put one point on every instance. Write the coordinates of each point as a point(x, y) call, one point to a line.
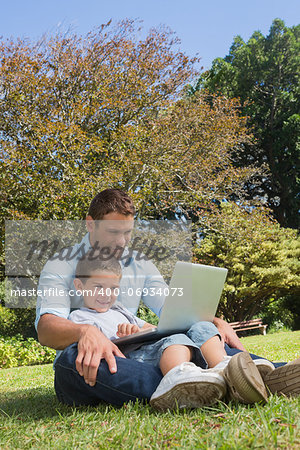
point(188, 386)
point(264, 366)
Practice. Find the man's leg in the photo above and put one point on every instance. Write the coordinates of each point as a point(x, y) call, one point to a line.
point(133, 380)
point(232, 351)
point(284, 379)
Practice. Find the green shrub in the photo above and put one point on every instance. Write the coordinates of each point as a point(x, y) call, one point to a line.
point(278, 316)
point(17, 321)
point(146, 314)
point(17, 351)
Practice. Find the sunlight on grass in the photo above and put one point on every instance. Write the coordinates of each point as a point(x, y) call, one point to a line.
point(282, 346)
point(31, 416)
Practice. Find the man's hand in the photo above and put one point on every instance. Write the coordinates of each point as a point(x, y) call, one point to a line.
point(92, 347)
point(228, 334)
point(125, 329)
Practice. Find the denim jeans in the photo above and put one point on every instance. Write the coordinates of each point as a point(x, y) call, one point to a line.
point(133, 380)
point(232, 351)
point(195, 337)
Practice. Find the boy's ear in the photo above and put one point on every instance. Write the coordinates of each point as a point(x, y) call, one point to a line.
point(78, 284)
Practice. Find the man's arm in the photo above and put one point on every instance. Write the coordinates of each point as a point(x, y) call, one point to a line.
point(58, 333)
point(228, 334)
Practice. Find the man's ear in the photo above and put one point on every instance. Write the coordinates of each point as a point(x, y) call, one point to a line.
point(78, 284)
point(90, 224)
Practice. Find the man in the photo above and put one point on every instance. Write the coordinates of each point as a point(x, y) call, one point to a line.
point(91, 368)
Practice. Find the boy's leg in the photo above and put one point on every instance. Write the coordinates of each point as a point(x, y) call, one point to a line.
point(213, 351)
point(201, 332)
point(243, 378)
point(184, 384)
point(174, 356)
point(133, 380)
point(206, 337)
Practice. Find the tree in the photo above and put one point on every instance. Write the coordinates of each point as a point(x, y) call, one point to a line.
point(263, 259)
point(81, 114)
point(264, 74)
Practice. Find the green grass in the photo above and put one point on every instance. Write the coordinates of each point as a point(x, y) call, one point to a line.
point(31, 417)
point(281, 346)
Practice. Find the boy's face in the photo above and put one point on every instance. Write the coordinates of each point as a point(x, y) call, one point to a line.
point(100, 290)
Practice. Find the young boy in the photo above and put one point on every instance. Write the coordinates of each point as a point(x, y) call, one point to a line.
point(178, 356)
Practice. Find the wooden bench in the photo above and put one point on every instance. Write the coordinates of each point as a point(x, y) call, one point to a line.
point(249, 325)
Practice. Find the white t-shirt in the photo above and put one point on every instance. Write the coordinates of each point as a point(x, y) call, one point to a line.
point(108, 321)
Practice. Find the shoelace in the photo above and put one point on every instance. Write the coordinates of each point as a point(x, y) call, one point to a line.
point(186, 366)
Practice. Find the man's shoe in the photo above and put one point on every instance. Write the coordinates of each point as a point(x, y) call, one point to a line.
point(264, 367)
point(244, 381)
point(285, 379)
point(188, 386)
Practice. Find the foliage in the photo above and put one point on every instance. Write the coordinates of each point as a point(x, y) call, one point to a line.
point(79, 114)
point(62, 104)
point(264, 74)
point(263, 259)
point(17, 321)
point(17, 351)
point(146, 314)
point(279, 314)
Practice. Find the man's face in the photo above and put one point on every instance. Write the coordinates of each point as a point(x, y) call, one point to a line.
point(100, 290)
point(112, 232)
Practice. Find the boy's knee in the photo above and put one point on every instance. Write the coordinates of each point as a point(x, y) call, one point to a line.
point(204, 326)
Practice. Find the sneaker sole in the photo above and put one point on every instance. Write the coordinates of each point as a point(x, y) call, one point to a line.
point(284, 380)
point(244, 380)
point(192, 394)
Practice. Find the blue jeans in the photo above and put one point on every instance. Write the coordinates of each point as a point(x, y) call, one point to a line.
point(195, 337)
point(133, 380)
point(232, 351)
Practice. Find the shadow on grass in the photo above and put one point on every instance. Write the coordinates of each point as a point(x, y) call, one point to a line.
point(36, 403)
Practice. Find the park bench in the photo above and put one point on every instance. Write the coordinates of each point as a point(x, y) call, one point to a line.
point(249, 325)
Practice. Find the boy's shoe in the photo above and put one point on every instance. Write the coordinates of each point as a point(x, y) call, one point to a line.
point(244, 381)
point(285, 379)
point(188, 386)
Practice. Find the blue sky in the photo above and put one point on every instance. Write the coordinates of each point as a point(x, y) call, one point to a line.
point(204, 27)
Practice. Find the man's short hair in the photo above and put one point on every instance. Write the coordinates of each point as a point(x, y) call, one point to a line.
point(91, 263)
point(111, 200)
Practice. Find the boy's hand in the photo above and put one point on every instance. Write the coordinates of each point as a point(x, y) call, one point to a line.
point(125, 329)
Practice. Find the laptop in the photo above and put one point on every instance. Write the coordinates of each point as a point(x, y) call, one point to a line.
point(194, 294)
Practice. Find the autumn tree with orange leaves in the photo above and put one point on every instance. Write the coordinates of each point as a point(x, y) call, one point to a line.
point(79, 114)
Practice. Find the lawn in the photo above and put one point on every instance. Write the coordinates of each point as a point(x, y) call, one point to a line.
point(31, 417)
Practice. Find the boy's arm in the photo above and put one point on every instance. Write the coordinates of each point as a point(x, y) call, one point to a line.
point(58, 333)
